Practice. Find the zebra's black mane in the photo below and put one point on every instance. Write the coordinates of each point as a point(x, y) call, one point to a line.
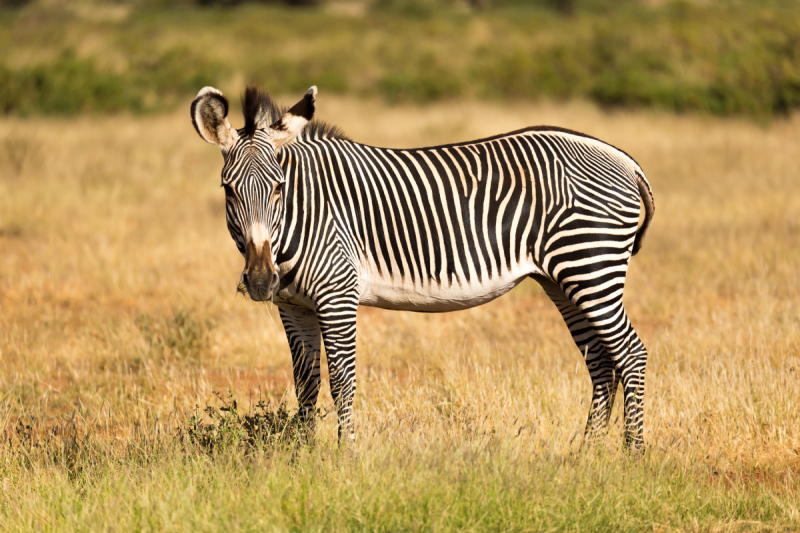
point(257, 103)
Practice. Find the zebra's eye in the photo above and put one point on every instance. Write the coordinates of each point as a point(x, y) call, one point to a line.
point(228, 189)
point(278, 188)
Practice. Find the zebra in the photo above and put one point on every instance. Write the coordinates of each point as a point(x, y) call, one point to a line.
point(326, 224)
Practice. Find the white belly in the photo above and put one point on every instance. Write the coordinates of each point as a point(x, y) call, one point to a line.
point(403, 295)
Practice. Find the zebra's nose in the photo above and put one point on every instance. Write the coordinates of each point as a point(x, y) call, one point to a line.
point(260, 285)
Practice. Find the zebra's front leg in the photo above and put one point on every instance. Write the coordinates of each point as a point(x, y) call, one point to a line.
point(302, 331)
point(337, 320)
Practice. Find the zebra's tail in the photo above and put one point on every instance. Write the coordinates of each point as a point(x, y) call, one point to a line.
point(646, 194)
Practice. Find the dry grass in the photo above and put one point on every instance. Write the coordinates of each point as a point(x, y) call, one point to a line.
point(118, 298)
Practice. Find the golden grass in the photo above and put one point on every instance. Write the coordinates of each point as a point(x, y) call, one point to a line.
point(112, 226)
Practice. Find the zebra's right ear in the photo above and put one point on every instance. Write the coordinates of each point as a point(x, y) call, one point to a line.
point(210, 118)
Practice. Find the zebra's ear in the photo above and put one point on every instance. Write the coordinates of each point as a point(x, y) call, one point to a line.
point(293, 121)
point(210, 118)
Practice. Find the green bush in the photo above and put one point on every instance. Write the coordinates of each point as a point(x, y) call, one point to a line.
point(67, 85)
point(298, 76)
point(70, 84)
point(734, 57)
point(424, 80)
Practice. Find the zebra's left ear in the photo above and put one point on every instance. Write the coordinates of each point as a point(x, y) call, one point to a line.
point(293, 121)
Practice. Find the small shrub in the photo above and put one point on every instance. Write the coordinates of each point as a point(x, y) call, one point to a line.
point(264, 426)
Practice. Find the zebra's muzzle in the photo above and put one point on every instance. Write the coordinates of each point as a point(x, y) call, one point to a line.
point(260, 288)
point(260, 277)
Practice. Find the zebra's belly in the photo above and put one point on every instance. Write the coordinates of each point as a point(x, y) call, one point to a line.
point(403, 295)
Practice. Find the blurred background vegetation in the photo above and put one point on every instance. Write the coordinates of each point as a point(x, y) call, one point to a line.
point(724, 57)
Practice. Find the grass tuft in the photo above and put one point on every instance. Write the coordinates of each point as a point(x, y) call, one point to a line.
point(180, 336)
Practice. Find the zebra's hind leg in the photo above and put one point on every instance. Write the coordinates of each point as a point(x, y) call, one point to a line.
point(601, 304)
point(605, 379)
point(303, 333)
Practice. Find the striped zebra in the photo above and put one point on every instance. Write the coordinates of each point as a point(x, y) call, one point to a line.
point(326, 224)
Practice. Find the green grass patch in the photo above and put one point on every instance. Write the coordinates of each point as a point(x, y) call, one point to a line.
point(74, 480)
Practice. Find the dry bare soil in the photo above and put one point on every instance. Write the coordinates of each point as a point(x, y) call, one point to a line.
point(119, 315)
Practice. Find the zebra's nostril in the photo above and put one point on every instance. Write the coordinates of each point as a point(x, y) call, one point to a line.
point(244, 278)
point(274, 279)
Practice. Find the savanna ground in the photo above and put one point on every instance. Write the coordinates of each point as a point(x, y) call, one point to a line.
point(120, 317)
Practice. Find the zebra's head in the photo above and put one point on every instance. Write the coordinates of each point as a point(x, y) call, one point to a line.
point(251, 175)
